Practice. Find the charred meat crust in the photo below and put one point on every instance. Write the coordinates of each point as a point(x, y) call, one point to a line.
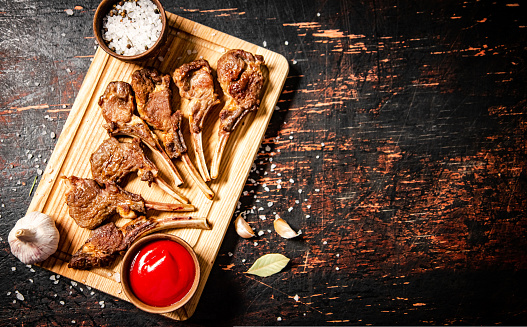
point(241, 76)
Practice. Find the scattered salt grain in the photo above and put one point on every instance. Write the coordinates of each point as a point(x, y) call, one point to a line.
point(290, 209)
point(286, 42)
point(229, 254)
point(308, 216)
point(30, 280)
point(243, 260)
point(262, 217)
point(73, 283)
point(39, 172)
point(296, 298)
point(260, 233)
point(265, 44)
point(19, 296)
point(61, 302)
point(317, 190)
point(337, 268)
point(255, 243)
point(269, 204)
point(279, 319)
point(13, 268)
point(292, 181)
point(322, 144)
point(69, 12)
point(300, 191)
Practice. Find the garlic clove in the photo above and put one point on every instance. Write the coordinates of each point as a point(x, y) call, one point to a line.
point(283, 229)
point(242, 228)
point(34, 238)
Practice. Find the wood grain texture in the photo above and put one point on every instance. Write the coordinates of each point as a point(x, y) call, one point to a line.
point(403, 125)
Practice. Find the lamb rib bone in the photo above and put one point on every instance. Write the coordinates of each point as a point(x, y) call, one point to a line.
point(107, 241)
point(118, 105)
point(242, 77)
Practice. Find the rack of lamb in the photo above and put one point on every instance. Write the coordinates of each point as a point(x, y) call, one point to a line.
point(153, 92)
point(242, 79)
point(195, 83)
point(90, 204)
point(118, 106)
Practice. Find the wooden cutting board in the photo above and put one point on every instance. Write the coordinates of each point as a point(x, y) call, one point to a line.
point(83, 133)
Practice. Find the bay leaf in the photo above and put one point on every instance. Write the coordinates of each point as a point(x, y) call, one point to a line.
point(268, 265)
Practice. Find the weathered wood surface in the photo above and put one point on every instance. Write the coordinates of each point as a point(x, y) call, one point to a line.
point(398, 149)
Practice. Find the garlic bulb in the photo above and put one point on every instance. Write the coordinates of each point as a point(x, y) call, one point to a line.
point(242, 228)
point(34, 238)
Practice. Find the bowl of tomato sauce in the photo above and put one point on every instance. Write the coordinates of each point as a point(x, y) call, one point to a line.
point(160, 273)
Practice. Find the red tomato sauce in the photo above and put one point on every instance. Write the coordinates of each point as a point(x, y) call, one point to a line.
point(162, 273)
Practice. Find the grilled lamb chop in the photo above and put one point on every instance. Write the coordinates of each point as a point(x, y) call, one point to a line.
point(195, 82)
point(90, 204)
point(154, 96)
point(118, 106)
point(108, 240)
point(113, 160)
point(242, 78)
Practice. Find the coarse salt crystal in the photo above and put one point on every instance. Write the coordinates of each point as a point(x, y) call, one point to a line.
point(19, 296)
point(134, 35)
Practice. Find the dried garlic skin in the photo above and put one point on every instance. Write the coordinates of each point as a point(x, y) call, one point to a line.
point(34, 238)
point(242, 228)
point(283, 229)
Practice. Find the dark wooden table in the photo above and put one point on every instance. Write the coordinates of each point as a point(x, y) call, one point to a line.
point(398, 149)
